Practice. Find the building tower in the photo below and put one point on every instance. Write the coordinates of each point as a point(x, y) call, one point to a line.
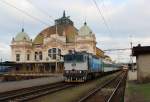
point(85, 40)
point(21, 47)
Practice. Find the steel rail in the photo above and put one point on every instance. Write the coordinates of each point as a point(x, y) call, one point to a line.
point(116, 88)
point(98, 89)
point(31, 96)
point(35, 90)
point(7, 93)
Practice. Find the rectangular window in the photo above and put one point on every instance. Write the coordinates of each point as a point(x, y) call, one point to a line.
point(40, 55)
point(59, 52)
point(54, 56)
point(17, 57)
point(70, 51)
point(35, 56)
point(50, 55)
point(28, 57)
point(50, 51)
point(54, 50)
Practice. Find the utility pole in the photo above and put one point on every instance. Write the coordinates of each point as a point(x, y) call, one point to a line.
point(131, 58)
point(56, 29)
point(56, 50)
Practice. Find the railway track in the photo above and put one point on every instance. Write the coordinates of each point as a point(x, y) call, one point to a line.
point(110, 91)
point(33, 92)
point(27, 94)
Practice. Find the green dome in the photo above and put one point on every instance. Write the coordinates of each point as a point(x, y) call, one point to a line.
point(22, 36)
point(85, 30)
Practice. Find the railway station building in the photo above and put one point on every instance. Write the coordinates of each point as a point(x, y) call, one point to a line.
point(142, 54)
point(44, 54)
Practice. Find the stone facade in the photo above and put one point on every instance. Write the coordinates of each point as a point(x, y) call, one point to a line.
point(143, 68)
point(53, 42)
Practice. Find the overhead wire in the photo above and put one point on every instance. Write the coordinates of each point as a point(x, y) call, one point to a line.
point(117, 49)
point(108, 28)
point(104, 20)
point(101, 14)
point(40, 9)
point(24, 12)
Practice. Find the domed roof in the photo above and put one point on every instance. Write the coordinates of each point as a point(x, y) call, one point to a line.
point(22, 36)
point(70, 32)
point(85, 30)
point(65, 27)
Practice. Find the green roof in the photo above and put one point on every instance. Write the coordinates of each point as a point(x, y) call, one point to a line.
point(85, 30)
point(39, 39)
point(22, 36)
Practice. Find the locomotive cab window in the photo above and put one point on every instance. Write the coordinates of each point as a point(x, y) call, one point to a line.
point(74, 57)
point(68, 58)
point(79, 58)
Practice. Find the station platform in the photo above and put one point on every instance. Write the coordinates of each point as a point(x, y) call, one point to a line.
point(30, 74)
point(135, 91)
point(14, 85)
point(26, 76)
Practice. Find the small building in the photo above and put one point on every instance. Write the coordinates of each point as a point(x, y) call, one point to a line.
point(142, 54)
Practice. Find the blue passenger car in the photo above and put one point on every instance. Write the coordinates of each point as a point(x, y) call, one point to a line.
point(95, 64)
point(4, 69)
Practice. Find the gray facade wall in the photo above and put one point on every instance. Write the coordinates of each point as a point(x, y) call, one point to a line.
point(143, 67)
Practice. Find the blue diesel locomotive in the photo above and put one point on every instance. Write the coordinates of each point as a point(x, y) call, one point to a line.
point(82, 66)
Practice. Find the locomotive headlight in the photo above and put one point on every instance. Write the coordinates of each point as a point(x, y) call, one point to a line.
point(80, 71)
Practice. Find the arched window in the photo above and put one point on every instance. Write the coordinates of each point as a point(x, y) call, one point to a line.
point(38, 56)
point(54, 52)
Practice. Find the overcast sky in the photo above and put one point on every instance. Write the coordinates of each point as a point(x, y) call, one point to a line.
point(128, 20)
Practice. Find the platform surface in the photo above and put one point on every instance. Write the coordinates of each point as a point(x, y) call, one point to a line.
point(14, 85)
point(132, 75)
